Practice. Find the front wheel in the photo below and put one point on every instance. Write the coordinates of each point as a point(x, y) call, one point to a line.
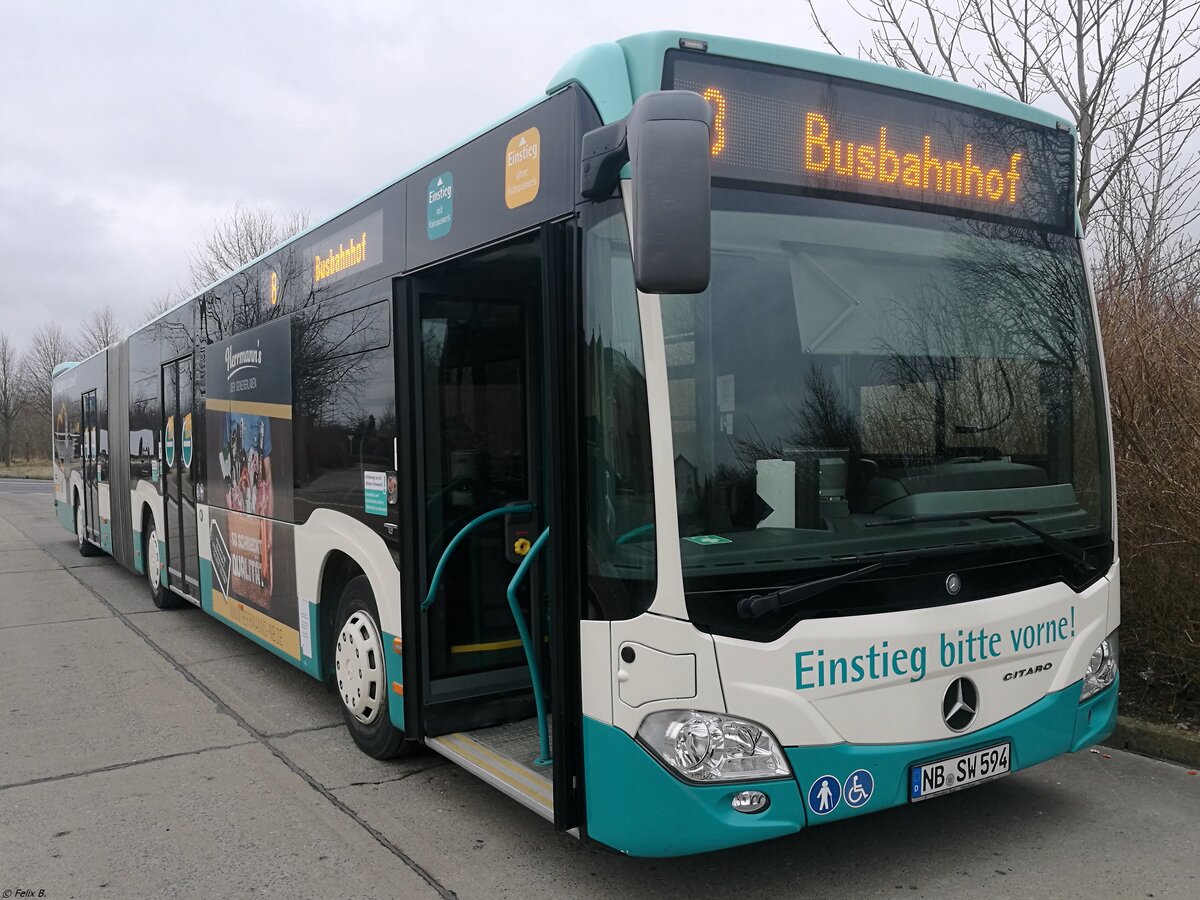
point(360, 674)
point(86, 547)
point(159, 594)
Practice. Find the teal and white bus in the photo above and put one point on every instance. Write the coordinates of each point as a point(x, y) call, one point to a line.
point(716, 447)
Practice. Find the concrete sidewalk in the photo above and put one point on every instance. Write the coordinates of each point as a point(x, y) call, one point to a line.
point(158, 754)
point(122, 773)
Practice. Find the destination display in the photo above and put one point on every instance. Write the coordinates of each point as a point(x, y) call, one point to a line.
point(842, 137)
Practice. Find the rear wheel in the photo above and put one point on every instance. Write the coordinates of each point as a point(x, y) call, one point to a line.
point(360, 673)
point(86, 547)
point(159, 594)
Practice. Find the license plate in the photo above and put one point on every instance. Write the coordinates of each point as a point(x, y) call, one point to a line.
point(958, 772)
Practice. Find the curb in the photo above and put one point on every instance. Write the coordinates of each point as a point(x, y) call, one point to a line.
point(1160, 741)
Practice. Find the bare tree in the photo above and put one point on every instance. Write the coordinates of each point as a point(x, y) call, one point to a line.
point(1126, 72)
point(11, 399)
point(49, 347)
point(158, 306)
point(244, 235)
point(99, 330)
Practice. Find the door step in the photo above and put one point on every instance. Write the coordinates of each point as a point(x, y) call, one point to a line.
point(486, 753)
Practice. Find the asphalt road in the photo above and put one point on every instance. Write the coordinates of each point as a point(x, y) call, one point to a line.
point(158, 754)
point(26, 486)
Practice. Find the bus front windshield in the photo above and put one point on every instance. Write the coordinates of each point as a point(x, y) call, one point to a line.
point(852, 365)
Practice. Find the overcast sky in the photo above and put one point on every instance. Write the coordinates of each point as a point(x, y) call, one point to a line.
point(128, 129)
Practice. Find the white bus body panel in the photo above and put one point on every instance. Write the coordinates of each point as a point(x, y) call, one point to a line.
point(760, 680)
point(143, 495)
point(652, 680)
point(327, 531)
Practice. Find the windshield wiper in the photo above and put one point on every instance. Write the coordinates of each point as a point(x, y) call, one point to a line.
point(760, 604)
point(1000, 517)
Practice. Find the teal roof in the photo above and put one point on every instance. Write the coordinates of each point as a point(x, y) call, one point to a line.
point(613, 86)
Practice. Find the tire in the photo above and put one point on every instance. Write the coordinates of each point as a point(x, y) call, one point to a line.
point(360, 673)
point(160, 596)
point(86, 547)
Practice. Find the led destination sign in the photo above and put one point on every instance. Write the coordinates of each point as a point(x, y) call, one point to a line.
point(842, 137)
point(353, 248)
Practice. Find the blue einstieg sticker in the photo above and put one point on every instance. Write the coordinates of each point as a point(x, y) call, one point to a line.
point(439, 215)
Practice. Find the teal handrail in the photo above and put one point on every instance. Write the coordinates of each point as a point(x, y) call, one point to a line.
point(535, 675)
point(635, 533)
point(457, 539)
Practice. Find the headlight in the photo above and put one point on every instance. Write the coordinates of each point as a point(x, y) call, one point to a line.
point(712, 747)
point(1101, 668)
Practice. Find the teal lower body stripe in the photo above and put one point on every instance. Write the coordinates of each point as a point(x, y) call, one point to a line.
point(636, 806)
point(1056, 724)
point(394, 666)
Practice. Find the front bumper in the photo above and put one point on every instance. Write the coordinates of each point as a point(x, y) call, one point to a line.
point(636, 806)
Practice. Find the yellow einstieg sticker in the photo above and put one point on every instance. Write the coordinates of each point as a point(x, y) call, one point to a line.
point(522, 168)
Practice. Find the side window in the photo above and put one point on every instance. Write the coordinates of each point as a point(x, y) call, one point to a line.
point(343, 408)
point(622, 566)
point(144, 407)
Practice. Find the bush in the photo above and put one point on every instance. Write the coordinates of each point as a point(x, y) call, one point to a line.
point(1151, 328)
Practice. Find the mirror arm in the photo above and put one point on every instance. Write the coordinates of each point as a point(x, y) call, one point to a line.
point(605, 152)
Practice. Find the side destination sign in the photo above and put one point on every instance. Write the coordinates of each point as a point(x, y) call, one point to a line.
point(509, 179)
point(352, 249)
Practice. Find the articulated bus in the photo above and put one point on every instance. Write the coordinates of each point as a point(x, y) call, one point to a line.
point(717, 446)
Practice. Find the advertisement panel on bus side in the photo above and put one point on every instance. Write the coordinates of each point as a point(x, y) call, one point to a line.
point(249, 448)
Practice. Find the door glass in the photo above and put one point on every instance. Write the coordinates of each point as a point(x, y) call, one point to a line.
point(90, 443)
point(185, 452)
point(475, 317)
point(476, 460)
point(170, 463)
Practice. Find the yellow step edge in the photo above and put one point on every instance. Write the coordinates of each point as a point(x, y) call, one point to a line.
point(489, 761)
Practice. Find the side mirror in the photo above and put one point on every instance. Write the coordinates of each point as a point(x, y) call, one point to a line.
point(666, 140)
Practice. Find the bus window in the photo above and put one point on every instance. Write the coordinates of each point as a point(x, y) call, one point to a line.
point(344, 408)
point(621, 556)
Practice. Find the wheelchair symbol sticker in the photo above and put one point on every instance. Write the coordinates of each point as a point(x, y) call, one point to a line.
point(858, 788)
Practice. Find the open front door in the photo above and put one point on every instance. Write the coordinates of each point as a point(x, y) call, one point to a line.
point(475, 337)
point(477, 448)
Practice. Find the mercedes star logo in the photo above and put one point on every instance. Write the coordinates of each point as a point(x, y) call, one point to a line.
point(953, 584)
point(960, 704)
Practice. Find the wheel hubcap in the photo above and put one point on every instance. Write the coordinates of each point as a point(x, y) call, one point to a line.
point(152, 561)
point(79, 524)
point(358, 663)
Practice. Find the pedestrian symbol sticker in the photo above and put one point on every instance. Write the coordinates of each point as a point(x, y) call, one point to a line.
point(858, 788)
point(439, 214)
point(824, 795)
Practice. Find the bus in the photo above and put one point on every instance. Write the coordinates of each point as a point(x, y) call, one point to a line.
point(716, 447)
